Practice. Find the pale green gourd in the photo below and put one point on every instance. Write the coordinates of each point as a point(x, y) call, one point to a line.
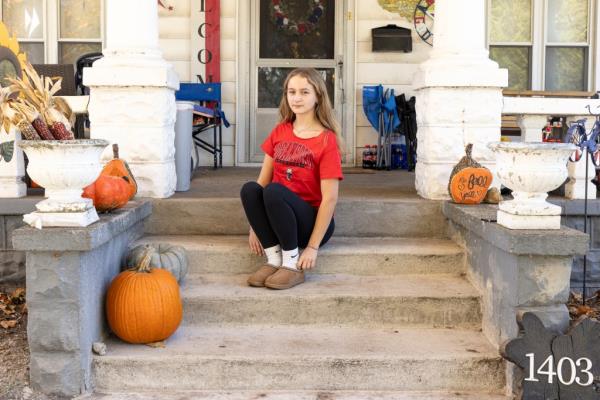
point(164, 255)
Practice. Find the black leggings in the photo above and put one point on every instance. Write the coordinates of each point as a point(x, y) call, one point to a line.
point(279, 216)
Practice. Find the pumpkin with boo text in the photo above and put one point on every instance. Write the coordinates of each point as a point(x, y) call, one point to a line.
point(469, 180)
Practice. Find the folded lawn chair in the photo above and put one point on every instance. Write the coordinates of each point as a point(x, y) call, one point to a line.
point(408, 116)
point(381, 111)
point(209, 116)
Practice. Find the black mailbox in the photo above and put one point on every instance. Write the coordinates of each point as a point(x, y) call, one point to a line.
point(391, 38)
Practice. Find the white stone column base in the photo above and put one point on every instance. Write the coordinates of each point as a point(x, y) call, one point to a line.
point(512, 221)
point(449, 118)
point(41, 220)
point(11, 173)
point(12, 187)
point(156, 180)
point(134, 106)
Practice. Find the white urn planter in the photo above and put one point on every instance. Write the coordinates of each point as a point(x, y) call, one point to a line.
point(12, 166)
point(63, 168)
point(531, 170)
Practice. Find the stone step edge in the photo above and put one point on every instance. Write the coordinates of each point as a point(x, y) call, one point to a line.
point(294, 395)
point(240, 241)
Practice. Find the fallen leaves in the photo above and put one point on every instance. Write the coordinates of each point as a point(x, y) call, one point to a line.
point(12, 308)
point(579, 311)
point(157, 345)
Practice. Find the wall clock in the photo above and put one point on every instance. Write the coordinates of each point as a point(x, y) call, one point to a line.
point(423, 20)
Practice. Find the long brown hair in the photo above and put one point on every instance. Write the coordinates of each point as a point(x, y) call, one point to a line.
point(323, 109)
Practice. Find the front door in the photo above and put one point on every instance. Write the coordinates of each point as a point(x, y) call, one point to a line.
point(288, 35)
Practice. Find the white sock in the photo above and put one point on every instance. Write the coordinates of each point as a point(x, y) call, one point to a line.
point(290, 258)
point(274, 256)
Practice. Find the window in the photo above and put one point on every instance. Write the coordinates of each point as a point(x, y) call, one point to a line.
point(544, 44)
point(78, 29)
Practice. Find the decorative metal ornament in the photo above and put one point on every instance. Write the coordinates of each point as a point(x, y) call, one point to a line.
point(283, 22)
point(12, 60)
point(423, 19)
point(405, 8)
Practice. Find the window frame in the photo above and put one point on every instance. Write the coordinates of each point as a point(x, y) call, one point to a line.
point(539, 44)
point(51, 32)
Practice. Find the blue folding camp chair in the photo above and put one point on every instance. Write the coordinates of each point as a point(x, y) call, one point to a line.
point(209, 95)
point(381, 111)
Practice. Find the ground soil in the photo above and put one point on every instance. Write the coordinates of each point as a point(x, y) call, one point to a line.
point(14, 351)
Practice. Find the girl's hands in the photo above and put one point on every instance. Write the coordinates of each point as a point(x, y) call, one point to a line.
point(255, 246)
point(308, 259)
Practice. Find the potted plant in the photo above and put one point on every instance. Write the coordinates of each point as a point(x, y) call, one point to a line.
point(58, 162)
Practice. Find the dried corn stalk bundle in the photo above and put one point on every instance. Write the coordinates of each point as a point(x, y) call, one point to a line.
point(53, 114)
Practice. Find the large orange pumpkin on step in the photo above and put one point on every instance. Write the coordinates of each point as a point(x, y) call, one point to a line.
point(469, 180)
point(143, 304)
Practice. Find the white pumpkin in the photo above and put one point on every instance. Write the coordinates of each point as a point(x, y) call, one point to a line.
point(164, 255)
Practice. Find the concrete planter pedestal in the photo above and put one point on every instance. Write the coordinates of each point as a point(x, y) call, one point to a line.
point(531, 170)
point(63, 168)
point(68, 271)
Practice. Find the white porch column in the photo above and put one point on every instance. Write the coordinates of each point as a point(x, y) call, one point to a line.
point(459, 96)
point(132, 96)
point(12, 172)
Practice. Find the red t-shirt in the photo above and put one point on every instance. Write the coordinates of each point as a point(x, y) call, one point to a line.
point(300, 164)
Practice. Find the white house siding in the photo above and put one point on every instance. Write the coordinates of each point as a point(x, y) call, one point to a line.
point(175, 33)
point(391, 69)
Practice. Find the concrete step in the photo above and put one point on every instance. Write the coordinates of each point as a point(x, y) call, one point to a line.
point(304, 358)
point(293, 395)
point(359, 256)
point(339, 299)
point(409, 217)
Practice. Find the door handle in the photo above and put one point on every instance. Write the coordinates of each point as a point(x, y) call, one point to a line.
point(340, 79)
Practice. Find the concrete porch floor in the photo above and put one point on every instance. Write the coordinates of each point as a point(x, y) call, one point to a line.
point(357, 183)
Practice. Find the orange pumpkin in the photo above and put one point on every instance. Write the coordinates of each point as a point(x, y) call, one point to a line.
point(114, 187)
point(110, 193)
point(143, 304)
point(469, 180)
point(118, 167)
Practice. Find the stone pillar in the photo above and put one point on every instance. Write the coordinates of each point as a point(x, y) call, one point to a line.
point(515, 272)
point(132, 96)
point(459, 96)
point(68, 271)
point(13, 171)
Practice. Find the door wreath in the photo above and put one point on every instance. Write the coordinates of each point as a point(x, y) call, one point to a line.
point(281, 18)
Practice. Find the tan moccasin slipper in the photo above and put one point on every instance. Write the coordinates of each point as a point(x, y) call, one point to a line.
point(284, 278)
point(258, 278)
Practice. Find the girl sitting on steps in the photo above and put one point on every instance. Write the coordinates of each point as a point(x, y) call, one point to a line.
point(292, 203)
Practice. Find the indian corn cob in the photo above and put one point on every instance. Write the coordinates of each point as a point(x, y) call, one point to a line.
point(42, 128)
point(28, 132)
point(60, 132)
